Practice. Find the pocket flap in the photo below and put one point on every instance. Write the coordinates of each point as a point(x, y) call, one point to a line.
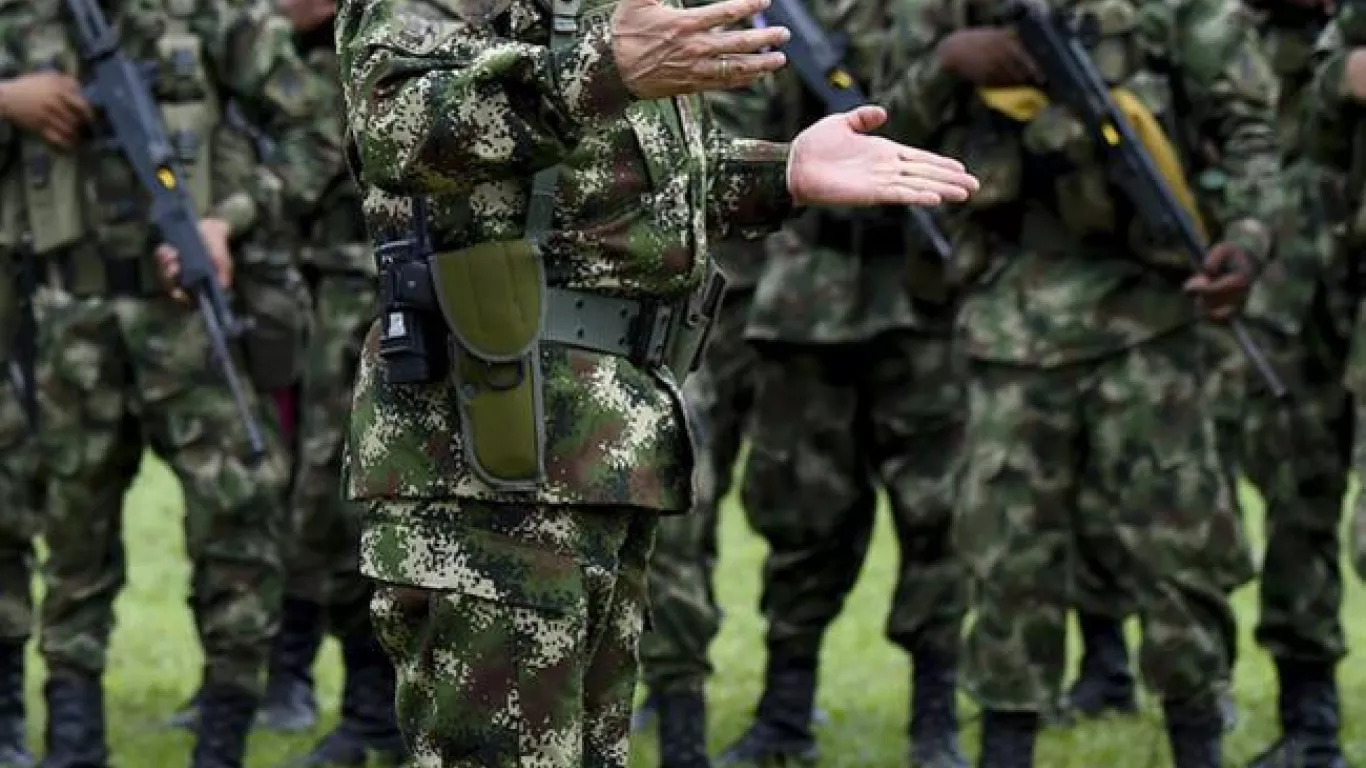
point(492, 296)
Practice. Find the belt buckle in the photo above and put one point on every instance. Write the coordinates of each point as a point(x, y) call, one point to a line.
point(650, 333)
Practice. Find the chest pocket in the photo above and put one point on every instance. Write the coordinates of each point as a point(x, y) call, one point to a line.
point(189, 108)
point(51, 177)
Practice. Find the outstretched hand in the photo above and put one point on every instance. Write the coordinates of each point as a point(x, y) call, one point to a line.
point(835, 163)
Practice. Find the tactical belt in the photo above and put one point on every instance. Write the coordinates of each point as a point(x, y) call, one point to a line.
point(83, 271)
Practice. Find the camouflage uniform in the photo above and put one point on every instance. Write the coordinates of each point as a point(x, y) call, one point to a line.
point(513, 617)
point(854, 391)
point(129, 366)
point(1087, 429)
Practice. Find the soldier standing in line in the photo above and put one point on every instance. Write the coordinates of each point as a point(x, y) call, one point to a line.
point(129, 364)
point(1087, 425)
point(555, 161)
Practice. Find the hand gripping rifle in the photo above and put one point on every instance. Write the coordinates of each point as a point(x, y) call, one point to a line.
point(1071, 79)
point(818, 61)
point(121, 93)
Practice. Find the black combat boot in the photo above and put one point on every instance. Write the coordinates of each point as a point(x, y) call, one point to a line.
point(368, 730)
point(1008, 739)
point(781, 733)
point(1195, 731)
point(13, 731)
point(1310, 719)
point(934, 712)
point(683, 730)
point(1106, 684)
point(75, 721)
point(226, 713)
point(290, 704)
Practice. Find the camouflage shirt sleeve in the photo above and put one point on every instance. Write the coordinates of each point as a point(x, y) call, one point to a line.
point(923, 100)
point(1332, 113)
point(749, 194)
point(1232, 93)
point(442, 102)
point(253, 58)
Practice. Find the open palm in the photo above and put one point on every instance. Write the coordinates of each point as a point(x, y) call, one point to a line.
point(836, 163)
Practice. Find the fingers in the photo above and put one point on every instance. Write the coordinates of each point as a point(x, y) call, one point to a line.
point(866, 119)
point(748, 40)
point(723, 14)
point(729, 72)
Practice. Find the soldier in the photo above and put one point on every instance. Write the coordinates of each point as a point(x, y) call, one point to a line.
point(513, 491)
point(854, 389)
point(1087, 427)
point(686, 618)
point(1298, 454)
point(129, 365)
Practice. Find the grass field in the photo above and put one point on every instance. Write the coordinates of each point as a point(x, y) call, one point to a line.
point(864, 682)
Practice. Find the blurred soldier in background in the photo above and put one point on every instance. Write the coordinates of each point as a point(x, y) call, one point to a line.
point(854, 390)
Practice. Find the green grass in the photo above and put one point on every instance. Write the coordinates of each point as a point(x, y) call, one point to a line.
point(864, 681)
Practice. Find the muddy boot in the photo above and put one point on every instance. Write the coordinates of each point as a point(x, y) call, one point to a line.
point(1106, 684)
point(1195, 731)
point(1008, 739)
point(934, 712)
point(1310, 719)
point(75, 722)
point(368, 730)
point(781, 733)
point(290, 704)
point(225, 717)
point(683, 730)
point(13, 727)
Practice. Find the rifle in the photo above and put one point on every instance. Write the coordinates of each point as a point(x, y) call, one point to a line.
point(121, 93)
point(818, 61)
point(1071, 79)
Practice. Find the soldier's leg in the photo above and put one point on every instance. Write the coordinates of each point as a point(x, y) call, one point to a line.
point(1013, 527)
point(1297, 454)
point(807, 490)
point(19, 521)
point(1154, 461)
point(92, 450)
point(329, 534)
point(916, 422)
point(234, 516)
point(528, 657)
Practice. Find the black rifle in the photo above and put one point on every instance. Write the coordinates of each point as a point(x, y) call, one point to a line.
point(120, 91)
point(23, 360)
point(818, 61)
point(1071, 79)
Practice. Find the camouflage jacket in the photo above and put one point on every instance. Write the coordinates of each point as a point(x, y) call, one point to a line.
point(1307, 259)
point(840, 276)
point(740, 113)
point(463, 101)
point(203, 54)
point(1047, 284)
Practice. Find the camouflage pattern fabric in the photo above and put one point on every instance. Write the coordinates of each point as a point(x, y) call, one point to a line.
point(831, 424)
point(21, 494)
point(128, 366)
point(1298, 453)
point(324, 566)
point(1078, 335)
point(1114, 455)
point(643, 185)
point(513, 629)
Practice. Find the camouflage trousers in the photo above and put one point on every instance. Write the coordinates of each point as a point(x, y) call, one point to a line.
point(1298, 455)
point(673, 653)
point(21, 495)
point(323, 565)
point(1114, 456)
point(518, 646)
point(128, 373)
point(830, 424)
